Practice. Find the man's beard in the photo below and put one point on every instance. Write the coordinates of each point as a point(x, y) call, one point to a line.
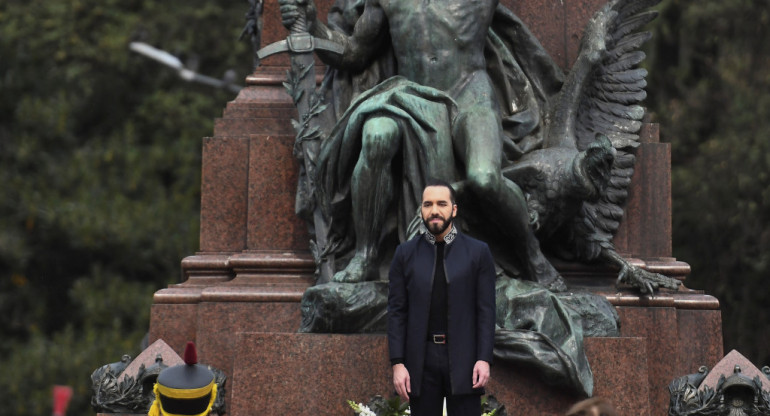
point(437, 229)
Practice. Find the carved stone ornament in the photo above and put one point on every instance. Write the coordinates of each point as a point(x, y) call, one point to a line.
point(734, 394)
point(117, 391)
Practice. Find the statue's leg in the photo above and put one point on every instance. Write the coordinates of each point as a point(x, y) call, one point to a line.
point(477, 135)
point(372, 192)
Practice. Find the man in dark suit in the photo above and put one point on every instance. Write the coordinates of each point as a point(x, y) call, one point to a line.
point(441, 308)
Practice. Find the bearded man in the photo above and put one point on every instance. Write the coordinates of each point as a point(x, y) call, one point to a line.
point(441, 312)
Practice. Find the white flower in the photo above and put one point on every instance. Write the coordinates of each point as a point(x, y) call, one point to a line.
point(361, 409)
point(364, 410)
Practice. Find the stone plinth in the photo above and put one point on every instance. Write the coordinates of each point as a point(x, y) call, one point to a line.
point(307, 374)
point(646, 228)
point(272, 368)
point(619, 366)
point(313, 374)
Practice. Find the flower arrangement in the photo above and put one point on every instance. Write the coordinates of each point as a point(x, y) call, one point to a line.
point(379, 406)
point(361, 409)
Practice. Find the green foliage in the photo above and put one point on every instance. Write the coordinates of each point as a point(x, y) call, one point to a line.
point(100, 173)
point(103, 321)
point(711, 90)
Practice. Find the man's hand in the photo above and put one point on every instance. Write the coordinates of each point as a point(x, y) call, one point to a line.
point(291, 11)
point(401, 381)
point(480, 374)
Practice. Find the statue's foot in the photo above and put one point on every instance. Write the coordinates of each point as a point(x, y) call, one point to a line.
point(358, 270)
point(546, 275)
point(646, 282)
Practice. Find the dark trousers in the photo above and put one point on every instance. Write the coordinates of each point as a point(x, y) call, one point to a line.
point(436, 386)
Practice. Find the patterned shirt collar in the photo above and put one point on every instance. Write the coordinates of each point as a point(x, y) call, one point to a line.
point(448, 238)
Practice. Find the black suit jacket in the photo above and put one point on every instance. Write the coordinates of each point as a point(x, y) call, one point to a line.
point(470, 273)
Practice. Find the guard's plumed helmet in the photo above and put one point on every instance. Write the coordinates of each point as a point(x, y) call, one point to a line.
point(184, 390)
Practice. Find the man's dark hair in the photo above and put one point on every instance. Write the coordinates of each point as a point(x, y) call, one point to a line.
point(445, 184)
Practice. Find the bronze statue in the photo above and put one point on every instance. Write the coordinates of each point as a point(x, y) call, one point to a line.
point(439, 52)
point(462, 91)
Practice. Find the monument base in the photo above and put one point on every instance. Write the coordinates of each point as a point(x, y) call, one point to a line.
point(315, 374)
point(246, 326)
point(240, 298)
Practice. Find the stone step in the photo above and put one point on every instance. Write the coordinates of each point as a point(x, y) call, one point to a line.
point(315, 374)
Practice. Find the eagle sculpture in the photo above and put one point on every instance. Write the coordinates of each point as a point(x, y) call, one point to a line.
point(577, 185)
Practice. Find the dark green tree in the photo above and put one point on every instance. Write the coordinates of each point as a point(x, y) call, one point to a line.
point(710, 88)
point(99, 177)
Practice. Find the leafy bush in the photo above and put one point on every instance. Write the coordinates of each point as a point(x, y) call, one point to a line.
point(711, 91)
point(108, 318)
point(100, 173)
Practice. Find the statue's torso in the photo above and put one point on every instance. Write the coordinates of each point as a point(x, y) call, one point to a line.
point(438, 43)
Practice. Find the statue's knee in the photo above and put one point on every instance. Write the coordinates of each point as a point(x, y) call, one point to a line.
point(484, 181)
point(380, 136)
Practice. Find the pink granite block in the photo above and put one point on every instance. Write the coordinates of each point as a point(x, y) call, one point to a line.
point(645, 231)
point(264, 87)
point(219, 323)
point(649, 133)
point(314, 374)
point(254, 110)
point(700, 339)
point(307, 374)
point(522, 392)
point(266, 292)
point(625, 239)
point(224, 179)
point(653, 191)
point(546, 20)
point(198, 271)
point(244, 127)
point(658, 326)
point(273, 172)
point(175, 324)
point(620, 367)
point(265, 270)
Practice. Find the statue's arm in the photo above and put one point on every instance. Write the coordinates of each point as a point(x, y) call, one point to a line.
point(360, 48)
point(363, 45)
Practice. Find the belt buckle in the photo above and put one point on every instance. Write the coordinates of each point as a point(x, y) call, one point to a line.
point(439, 339)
